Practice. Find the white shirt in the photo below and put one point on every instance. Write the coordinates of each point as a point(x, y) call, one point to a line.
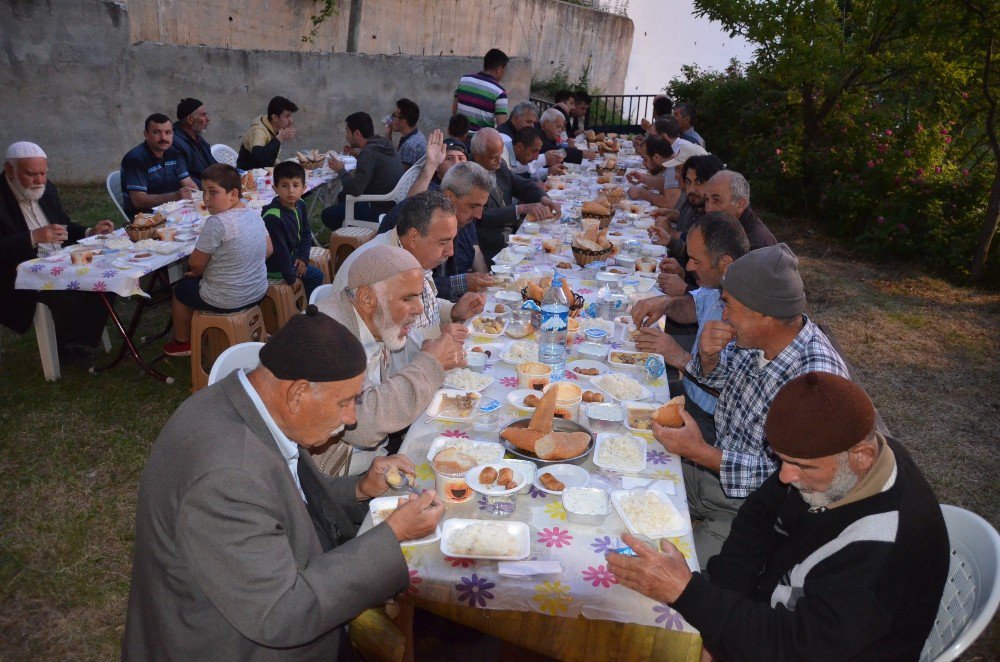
point(35, 218)
point(288, 448)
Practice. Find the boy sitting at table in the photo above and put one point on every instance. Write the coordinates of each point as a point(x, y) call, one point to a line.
point(287, 223)
point(227, 270)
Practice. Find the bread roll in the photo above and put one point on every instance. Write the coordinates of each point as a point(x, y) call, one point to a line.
point(594, 209)
point(550, 482)
point(505, 477)
point(488, 476)
point(562, 445)
point(669, 415)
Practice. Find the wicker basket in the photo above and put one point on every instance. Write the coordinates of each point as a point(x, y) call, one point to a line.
point(148, 232)
point(578, 302)
point(584, 257)
point(312, 165)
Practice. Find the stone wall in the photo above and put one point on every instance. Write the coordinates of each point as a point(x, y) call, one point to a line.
point(76, 83)
point(554, 35)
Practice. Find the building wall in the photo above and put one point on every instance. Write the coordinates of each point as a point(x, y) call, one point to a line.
point(76, 83)
point(554, 35)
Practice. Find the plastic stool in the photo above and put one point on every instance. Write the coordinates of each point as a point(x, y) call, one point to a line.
point(214, 333)
point(320, 258)
point(281, 302)
point(345, 241)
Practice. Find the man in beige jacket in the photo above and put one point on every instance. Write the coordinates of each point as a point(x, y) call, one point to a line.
point(381, 300)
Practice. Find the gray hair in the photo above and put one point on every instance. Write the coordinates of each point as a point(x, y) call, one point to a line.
point(418, 212)
point(482, 138)
point(551, 115)
point(463, 178)
point(686, 109)
point(739, 187)
point(522, 108)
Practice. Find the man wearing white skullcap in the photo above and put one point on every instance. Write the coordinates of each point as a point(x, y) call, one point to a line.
point(379, 303)
point(33, 223)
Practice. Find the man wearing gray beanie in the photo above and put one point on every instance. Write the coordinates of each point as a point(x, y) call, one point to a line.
point(763, 341)
point(242, 547)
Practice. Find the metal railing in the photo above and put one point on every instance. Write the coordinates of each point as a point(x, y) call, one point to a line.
point(618, 113)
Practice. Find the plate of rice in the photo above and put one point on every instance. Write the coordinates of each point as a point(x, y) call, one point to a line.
point(649, 513)
point(381, 507)
point(520, 351)
point(477, 539)
point(483, 452)
point(621, 387)
point(623, 453)
point(464, 379)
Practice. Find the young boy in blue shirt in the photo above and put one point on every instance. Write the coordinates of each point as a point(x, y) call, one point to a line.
point(287, 222)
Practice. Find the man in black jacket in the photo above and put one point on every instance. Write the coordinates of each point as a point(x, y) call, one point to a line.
point(501, 215)
point(33, 223)
point(842, 554)
point(377, 172)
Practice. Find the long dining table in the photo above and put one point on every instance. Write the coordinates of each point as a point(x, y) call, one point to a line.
point(144, 269)
point(561, 601)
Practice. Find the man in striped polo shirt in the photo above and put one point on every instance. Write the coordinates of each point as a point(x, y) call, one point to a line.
point(481, 97)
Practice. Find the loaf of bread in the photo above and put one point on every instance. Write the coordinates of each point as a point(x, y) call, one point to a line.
point(669, 415)
point(562, 445)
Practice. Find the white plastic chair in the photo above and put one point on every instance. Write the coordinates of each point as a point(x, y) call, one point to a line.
point(242, 355)
point(225, 154)
point(114, 184)
point(972, 592)
point(320, 293)
point(398, 194)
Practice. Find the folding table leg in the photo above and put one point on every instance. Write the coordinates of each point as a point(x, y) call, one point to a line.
point(48, 349)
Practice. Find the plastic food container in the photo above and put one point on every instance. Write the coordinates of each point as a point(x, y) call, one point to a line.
point(646, 265)
point(604, 416)
point(586, 506)
point(567, 401)
point(508, 297)
point(452, 487)
point(533, 375)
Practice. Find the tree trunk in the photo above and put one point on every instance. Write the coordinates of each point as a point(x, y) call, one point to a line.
point(988, 229)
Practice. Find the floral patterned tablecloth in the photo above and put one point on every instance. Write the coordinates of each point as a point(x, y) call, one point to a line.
point(584, 586)
point(117, 270)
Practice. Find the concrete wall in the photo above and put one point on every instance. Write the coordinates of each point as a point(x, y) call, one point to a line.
point(75, 83)
point(552, 34)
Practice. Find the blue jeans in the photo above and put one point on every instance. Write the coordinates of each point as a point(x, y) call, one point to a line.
point(312, 279)
point(333, 216)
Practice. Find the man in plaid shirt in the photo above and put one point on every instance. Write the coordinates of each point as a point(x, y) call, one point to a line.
point(763, 341)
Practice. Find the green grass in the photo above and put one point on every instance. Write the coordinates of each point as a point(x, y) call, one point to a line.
point(73, 450)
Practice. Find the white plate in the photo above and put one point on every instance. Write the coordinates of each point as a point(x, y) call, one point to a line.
point(494, 348)
point(522, 476)
point(680, 525)
point(509, 256)
point(587, 363)
point(505, 355)
point(570, 475)
point(596, 381)
point(518, 531)
point(485, 451)
point(488, 380)
point(604, 438)
point(483, 334)
point(124, 263)
point(435, 405)
point(381, 503)
point(517, 396)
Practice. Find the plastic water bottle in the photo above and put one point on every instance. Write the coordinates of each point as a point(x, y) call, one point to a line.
point(552, 334)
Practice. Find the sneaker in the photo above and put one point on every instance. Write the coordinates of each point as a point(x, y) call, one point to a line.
point(177, 348)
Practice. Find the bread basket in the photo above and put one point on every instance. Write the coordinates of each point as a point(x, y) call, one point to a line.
point(574, 308)
point(584, 257)
point(136, 233)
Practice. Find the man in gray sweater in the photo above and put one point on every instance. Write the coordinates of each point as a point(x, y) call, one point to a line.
point(378, 305)
point(377, 172)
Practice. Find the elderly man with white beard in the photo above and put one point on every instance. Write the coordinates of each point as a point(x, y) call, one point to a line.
point(379, 304)
point(33, 224)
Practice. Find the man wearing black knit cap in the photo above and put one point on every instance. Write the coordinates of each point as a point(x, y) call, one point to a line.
point(243, 548)
point(840, 555)
point(192, 120)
